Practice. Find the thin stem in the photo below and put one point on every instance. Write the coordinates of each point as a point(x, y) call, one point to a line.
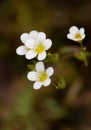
point(85, 62)
point(81, 45)
point(83, 50)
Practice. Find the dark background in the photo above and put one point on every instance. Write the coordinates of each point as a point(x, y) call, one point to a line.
point(21, 107)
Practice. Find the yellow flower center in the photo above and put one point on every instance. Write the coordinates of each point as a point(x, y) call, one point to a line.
point(77, 36)
point(42, 76)
point(39, 48)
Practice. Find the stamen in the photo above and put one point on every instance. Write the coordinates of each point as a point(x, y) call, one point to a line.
point(42, 76)
point(39, 48)
point(77, 36)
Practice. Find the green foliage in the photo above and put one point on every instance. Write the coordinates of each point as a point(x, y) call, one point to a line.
point(55, 111)
point(83, 55)
point(54, 58)
point(61, 84)
point(65, 50)
point(22, 103)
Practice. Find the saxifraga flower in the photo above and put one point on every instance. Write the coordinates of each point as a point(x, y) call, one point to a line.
point(35, 44)
point(40, 76)
point(76, 34)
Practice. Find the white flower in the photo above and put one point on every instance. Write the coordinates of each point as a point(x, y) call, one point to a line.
point(35, 43)
point(76, 34)
point(40, 75)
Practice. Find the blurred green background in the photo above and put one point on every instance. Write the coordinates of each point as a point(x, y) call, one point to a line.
point(21, 107)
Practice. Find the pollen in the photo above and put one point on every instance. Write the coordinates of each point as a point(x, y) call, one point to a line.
point(77, 36)
point(42, 76)
point(39, 48)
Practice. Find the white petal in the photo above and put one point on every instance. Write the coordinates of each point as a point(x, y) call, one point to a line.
point(40, 67)
point(83, 36)
point(30, 43)
point(50, 71)
point(37, 85)
point(47, 82)
point(77, 39)
point(42, 56)
point(47, 44)
point(70, 36)
point(41, 37)
point(33, 34)
point(32, 76)
point(82, 30)
point(24, 37)
point(73, 29)
point(21, 50)
point(30, 54)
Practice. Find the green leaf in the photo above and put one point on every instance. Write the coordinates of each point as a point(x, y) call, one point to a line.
point(61, 83)
point(83, 55)
point(52, 57)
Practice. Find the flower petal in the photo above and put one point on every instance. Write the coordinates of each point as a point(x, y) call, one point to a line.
point(24, 37)
point(70, 36)
point(77, 39)
point(42, 56)
point(21, 50)
point(50, 71)
point(73, 29)
point(32, 76)
point(40, 67)
point(47, 82)
point(33, 34)
point(83, 36)
point(82, 31)
point(30, 54)
point(47, 44)
point(41, 37)
point(37, 85)
point(30, 43)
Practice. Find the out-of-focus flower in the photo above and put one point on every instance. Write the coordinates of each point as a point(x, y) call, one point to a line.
point(35, 43)
point(76, 34)
point(41, 76)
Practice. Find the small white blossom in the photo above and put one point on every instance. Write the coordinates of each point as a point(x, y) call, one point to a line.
point(35, 44)
point(41, 76)
point(76, 34)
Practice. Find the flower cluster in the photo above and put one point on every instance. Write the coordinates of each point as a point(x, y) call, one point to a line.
point(36, 44)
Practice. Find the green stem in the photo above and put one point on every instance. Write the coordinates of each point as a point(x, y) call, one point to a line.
point(85, 62)
point(83, 49)
point(81, 45)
